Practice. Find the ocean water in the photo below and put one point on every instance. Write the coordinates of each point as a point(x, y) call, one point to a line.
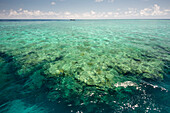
point(85, 66)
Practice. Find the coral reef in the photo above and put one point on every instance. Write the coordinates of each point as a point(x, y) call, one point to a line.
point(86, 65)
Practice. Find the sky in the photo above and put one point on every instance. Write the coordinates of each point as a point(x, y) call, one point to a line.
point(85, 9)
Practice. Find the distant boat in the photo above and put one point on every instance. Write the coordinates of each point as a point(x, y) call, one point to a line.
point(72, 19)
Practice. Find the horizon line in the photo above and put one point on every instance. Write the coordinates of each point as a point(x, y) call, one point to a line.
point(82, 19)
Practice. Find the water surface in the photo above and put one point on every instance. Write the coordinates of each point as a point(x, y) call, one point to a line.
point(88, 66)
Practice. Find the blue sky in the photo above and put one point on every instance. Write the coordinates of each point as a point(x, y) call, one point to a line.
point(85, 9)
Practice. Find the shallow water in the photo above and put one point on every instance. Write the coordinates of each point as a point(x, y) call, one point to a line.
point(87, 66)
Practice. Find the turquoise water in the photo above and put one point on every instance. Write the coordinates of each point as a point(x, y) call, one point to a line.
point(85, 66)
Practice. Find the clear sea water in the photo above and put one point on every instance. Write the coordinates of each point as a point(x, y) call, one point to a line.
point(85, 66)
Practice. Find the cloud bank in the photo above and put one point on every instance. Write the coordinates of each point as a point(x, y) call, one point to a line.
point(151, 12)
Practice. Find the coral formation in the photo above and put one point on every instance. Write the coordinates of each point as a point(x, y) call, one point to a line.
point(84, 65)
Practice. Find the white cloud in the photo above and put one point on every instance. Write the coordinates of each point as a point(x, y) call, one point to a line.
point(13, 13)
point(20, 9)
point(93, 13)
point(145, 12)
point(67, 13)
point(109, 13)
point(29, 14)
point(154, 11)
point(111, 0)
point(104, 0)
point(131, 12)
point(53, 3)
point(151, 12)
point(98, 0)
point(116, 14)
point(167, 10)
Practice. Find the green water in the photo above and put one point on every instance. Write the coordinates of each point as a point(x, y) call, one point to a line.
point(88, 66)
